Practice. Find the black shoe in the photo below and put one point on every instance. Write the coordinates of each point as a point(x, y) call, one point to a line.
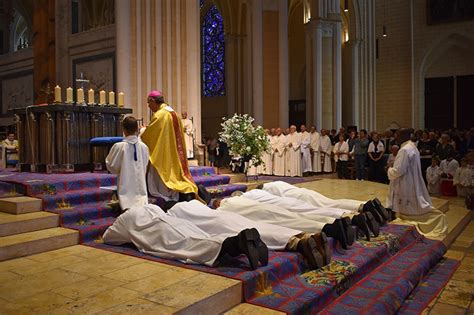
point(253, 247)
point(381, 209)
point(372, 223)
point(350, 233)
point(369, 207)
point(337, 231)
point(392, 214)
point(361, 222)
point(323, 246)
point(310, 252)
point(204, 194)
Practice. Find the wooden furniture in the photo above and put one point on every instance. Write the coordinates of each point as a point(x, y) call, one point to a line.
point(55, 137)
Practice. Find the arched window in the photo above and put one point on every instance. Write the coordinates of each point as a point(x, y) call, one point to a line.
point(212, 53)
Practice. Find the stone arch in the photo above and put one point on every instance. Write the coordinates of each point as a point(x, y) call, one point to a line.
point(437, 49)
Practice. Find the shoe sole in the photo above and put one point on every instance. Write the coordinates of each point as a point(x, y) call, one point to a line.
point(323, 244)
point(372, 223)
point(349, 230)
point(381, 209)
point(314, 257)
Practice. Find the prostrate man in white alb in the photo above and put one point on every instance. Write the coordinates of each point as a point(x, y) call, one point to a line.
point(314, 247)
point(129, 159)
point(293, 153)
point(306, 164)
point(408, 195)
point(154, 232)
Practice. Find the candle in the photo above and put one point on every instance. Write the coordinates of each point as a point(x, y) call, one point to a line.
point(102, 97)
point(121, 99)
point(80, 95)
point(111, 98)
point(91, 97)
point(57, 94)
point(69, 95)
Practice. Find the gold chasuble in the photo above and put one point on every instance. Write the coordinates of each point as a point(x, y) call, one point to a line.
point(165, 140)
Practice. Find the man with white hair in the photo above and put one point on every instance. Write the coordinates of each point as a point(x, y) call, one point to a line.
point(293, 153)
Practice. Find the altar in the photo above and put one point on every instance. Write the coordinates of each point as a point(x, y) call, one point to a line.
point(55, 137)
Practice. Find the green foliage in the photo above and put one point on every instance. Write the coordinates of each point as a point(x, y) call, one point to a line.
point(243, 138)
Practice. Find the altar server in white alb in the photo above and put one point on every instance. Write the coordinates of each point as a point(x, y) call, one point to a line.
point(157, 233)
point(306, 164)
point(293, 153)
point(129, 159)
point(407, 191)
point(326, 150)
point(267, 157)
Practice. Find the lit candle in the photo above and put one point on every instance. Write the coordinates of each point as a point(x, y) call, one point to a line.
point(57, 94)
point(69, 95)
point(102, 97)
point(121, 99)
point(111, 98)
point(91, 97)
point(80, 95)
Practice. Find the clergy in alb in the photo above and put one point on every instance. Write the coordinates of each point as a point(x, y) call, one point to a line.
point(169, 176)
point(326, 150)
point(315, 145)
point(267, 157)
point(157, 233)
point(188, 134)
point(306, 164)
point(279, 150)
point(293, 153)
point(408, 195)
point(129, 159)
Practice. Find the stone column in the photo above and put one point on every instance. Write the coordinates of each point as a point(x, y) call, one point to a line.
point(44, 48)
point(257, 60)
point(317, 45)
point(337, 76)
point(283, 62)
point(122, 26)
point(355, 46)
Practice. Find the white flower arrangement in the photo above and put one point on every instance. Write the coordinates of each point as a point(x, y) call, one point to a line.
point(243, 138)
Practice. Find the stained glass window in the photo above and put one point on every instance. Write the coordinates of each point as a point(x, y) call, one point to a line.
point(213, 72)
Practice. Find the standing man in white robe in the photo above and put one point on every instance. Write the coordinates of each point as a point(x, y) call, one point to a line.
point(279, 149)
point(267, 167)
point(326, 149)
point(188, 134)
point(293, 153)
point(407, 191)
point(128, 160)
point(305, 151)
point(315, 145)
point(154, 232)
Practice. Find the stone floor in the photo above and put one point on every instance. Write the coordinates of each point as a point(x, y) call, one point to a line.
point(80, 279)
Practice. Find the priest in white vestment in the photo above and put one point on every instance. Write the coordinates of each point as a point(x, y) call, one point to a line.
point(283, 189)
point(315, 145)
point(188, 134)
point(306, 163)
point(128, 160)
point(293, 153)
point(279, 149)
point(408, 195)
point(326, 149)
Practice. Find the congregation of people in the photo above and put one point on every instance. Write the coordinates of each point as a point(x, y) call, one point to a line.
point(444, 155)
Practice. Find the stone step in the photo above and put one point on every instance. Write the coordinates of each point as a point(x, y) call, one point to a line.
point(458, 218)
point(237, 178)
point(20, 205)
point(29, 243)
point(11, 224)
point(193, 162)
point(246, 308)
point(440, 204)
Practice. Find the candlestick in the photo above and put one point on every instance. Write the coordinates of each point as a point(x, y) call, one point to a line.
point(102, 98)
point(80, 96)
point(57, 94)
point(91, 97)
point(121, 99)
point(111, 98)
point(69, 95)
